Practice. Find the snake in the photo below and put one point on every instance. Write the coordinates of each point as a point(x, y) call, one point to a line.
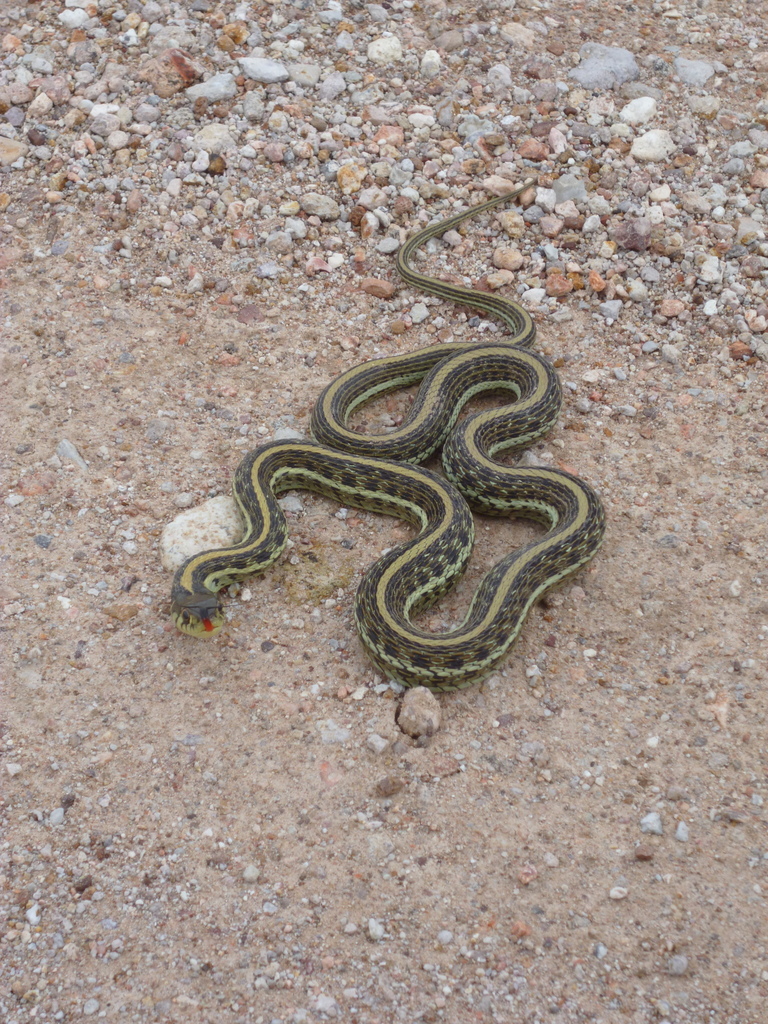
point(382, 473)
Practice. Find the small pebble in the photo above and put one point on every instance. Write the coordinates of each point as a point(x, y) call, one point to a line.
point(677, 965)
point(652, 824)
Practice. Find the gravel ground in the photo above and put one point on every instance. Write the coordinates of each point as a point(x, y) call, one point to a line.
point(199, 207)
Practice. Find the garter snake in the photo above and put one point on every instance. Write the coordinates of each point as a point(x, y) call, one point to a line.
point(354, 469)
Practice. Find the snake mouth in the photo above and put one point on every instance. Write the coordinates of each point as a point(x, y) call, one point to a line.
point(198, 615)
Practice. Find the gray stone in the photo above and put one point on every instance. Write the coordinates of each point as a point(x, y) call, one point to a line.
point(499, 78)
point(603, 67)
point(677, 965)
point(219, 87)
point(320, 206)
point(568, 186)
point(611, 309)
point(253, 106)
point(332, 86)
point(656, 145)
point(472, 127)
point(693, 72)
point(67, 451)
point(332, 733)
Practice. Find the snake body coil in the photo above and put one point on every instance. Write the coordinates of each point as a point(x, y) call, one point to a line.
point(353, 468)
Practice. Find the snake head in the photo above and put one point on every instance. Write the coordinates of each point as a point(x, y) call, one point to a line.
point(198, 614)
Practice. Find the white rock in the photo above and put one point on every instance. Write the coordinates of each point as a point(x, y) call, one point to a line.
point(74, 19)
point(420, 713)
point(499, 78)
point(330, 732)
point(639, 110)
point(670, 354)
point(39, 107)
point(214, 524)
point(262, 69)
point(214, 138)
point(519, 34)
point(305, 75)
point(66, 450)
point(591, 224)
point(533, 296)
point(711, 270)
point(253, 106)
point(681, 832)
point(385, 50)
point(376, 744)
point(431, 64)
point(656, 145)
point(637, 290)
point(419, 120)
point(326, 1006)
point(651, 823)
point(118, 140)
point(375, 929)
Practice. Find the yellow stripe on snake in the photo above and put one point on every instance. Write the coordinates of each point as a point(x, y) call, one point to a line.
point(376, 472)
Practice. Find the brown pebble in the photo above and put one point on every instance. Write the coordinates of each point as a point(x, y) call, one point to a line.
point(389, 785)
point(532, 149)
point(558, 285)
point(739, 350)
point(596, 282)
point(375, 286)
point(671, 307)
point(643, 852)
point(121, 612)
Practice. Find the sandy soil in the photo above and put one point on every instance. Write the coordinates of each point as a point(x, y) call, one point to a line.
point(206, 831)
